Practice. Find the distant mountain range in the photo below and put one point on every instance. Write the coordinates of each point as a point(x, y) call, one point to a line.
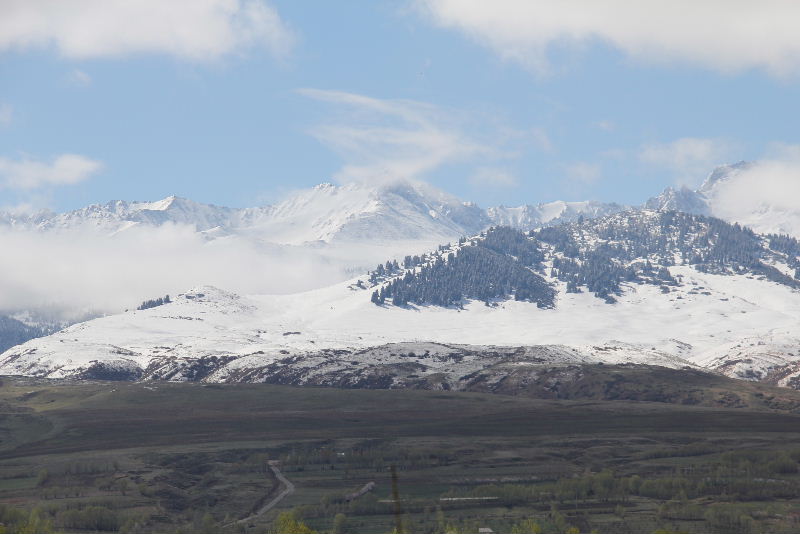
point(671, 281)
point(403, 211)
point(639, 287)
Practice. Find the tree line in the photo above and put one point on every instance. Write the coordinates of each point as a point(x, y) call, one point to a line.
point(152, 303)
point(500, 265)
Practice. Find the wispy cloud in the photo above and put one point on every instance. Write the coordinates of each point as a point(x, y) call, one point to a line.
point(605, 125)
point(187, 29)
point(583, 173)
point(542, 140)
point(79, 78)
point(6, 114)
point(66, 169)
point(689, 159)
point(716, 34)
point(386, 140)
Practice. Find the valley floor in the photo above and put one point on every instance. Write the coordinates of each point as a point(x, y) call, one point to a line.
point(165, 458)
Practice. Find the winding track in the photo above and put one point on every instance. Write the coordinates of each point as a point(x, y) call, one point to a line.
point(287, 490)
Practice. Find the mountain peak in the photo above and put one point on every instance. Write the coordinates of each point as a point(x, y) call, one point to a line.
point(208, 292)
point(156, 205)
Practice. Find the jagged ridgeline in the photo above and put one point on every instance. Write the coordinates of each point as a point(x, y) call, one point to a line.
point(501, 264)
point(600, 256)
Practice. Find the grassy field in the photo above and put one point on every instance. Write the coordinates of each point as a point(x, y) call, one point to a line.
point(720, 456)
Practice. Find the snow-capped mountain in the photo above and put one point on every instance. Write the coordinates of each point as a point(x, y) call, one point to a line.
point(642, 287)
point(341, 230)
point(724, 194)
point(118, 215)
point(400, 211)
point(331, 231)
point(702, 200)
point(682, 199)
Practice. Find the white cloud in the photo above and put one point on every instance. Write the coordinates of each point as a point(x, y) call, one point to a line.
point(493, 177)
point(6, 114)
point(66, 169)
point(386, 140)
point(84, 268)
point(79, 78)
point(724, 35)
point(688, 158)
point(196, 30)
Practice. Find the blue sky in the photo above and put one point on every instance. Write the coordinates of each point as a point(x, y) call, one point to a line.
point(241, 103)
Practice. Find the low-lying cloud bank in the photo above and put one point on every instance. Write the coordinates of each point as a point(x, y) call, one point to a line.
point(79, 270)
point(75, 271)
point(69, 274)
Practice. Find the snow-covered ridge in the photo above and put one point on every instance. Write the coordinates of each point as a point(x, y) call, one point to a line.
point(686, 291)
point(349, 228)
point(736, 322)
point(401, 211)
point(550, 213)
point(316, 337)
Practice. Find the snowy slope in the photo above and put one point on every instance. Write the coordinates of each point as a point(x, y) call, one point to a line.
point(640, 287)
point(316, 336)
point(354, 212)
point(313, 238)
point(344, 230)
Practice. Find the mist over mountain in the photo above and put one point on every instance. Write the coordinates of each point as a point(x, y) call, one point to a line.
point(759, 195)
point(312, 239)
point(641, 287)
